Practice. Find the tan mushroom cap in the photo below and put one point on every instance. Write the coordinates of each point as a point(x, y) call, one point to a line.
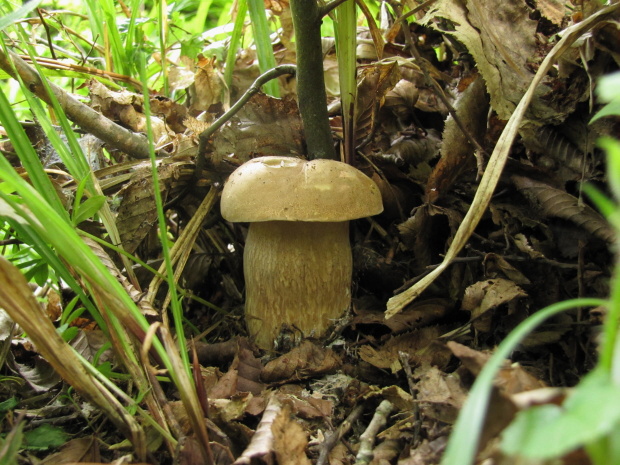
point(291, 189)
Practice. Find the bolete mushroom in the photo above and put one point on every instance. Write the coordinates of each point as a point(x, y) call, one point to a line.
point(297, 258)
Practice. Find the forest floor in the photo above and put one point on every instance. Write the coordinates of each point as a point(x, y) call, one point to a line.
point(537, 242)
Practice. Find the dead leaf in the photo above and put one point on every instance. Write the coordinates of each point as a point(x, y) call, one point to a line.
point(289, 439)
point(264, 126)
point(416, 315)
point(78, 450)
point(421, 345)
point(457, 152)
point(554, 10)
point(302, 362)
point(483, 26)
point(207, 87)
point(486, 295)
point(556, 203)
point(440, 395)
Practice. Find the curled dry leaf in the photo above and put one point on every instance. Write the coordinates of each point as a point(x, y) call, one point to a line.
point(302, 362)
point(126, 108)
point(457, 152)
point(483, 26)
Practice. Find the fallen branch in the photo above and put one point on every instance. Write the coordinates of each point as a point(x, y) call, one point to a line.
point(367, 439)
point(115, 136)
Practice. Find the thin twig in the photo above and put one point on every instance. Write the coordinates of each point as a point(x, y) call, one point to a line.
point(367, 439)
point(328, 7)
point(331, 440)
point(115, 136)
point(404, 361)
point(206, 134)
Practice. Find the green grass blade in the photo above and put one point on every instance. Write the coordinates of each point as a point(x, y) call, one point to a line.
point(235, 40)
point(262, 39)
point(29, 157)
point(345, 31)
point(19, 13)
point(177, 311)
point(466, 434)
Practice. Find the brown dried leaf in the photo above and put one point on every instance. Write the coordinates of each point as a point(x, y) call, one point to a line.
point(126, 108)
point(486, 295)
point(102, 255)
point(496, 266)
point(441, 395)
point(556, 203)
point(264, 126)
point(553, 10)
point(260, 450)
point(137, 214)
point(457, 153)
point(171, 112)
point(374, 83)
point(483, 26)
point(242, 376)
point(421, 345)
point(511, 379)
point(289, 440)
point(425, 453)
point(79, 450)
point(207, 88)
point(417, 315)
point(304, 361)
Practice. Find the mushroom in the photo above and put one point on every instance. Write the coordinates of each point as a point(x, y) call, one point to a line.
point(297, 261)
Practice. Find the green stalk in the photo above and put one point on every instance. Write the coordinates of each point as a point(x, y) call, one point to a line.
point(177, 311)
point(235, 39)
point(162, 22)
point(262, 39)
point(346, 29)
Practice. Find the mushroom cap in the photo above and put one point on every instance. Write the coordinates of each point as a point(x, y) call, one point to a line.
point(292, 189)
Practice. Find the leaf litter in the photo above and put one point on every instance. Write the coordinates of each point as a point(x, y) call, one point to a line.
point(381, 388)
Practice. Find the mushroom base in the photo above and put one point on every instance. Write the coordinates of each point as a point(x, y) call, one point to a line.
point(297, 275)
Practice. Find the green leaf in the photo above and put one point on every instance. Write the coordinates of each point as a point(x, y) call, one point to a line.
point(11, 444)
point(608, 88)
point(45, 437)
point(608, 91)
point(69, 333)
point(611, 109)
point(88, 208)
point(590, 413)
point(8, 404)
point(612, 147)
point(20, 13)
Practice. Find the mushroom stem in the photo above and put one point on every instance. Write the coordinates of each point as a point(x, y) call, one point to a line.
point(297, 274)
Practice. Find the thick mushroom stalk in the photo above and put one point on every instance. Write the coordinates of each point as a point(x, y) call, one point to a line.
point(298, 274)
point(297, 259)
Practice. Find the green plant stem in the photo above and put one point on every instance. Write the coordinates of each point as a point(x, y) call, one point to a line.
point(262, 39)
point(311, 93)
